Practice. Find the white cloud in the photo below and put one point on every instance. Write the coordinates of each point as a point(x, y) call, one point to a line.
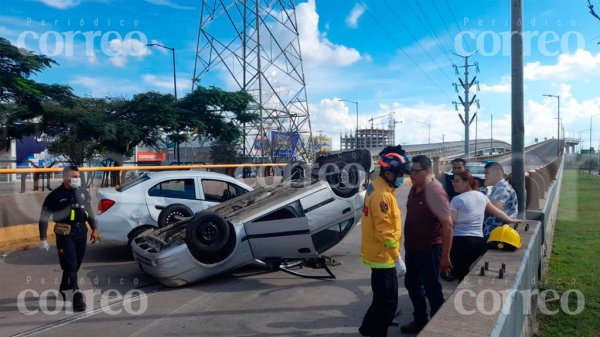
point(580, 65)
point(6, 33)
point(92, 59)
point(125, 48)
point(316, 49)
point(337, 118)
point(504, 87)
point(355, 15)
point(540, 116)
point(118, 61)
point(61, 4)
point(104, 86)
point(168, 3)
point(165, 83)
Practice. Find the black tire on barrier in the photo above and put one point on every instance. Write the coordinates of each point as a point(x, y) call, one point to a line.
point(168, 215)
point(207, 234)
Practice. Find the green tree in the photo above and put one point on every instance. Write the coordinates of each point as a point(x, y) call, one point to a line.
point(21, 98)
point(216, 115)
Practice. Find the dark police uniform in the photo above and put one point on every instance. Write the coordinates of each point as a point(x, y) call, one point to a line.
point(72, 207)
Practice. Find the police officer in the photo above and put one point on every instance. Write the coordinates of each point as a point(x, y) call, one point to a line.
point(70, 208)
point(381, 233)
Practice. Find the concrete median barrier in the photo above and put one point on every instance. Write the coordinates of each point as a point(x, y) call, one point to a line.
point(19, 216)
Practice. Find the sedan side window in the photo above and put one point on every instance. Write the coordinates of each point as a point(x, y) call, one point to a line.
point(180, 189)
point(219, 191)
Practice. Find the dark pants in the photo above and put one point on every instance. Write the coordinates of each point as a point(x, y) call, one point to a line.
point(378, 318)
point(465, 250)
point(422, 280)
point(71, 249)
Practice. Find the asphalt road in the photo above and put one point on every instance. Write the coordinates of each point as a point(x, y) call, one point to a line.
point(123, 301)
point(535, 156)
point(248, 302)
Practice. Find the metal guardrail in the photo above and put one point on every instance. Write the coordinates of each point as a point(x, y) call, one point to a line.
point(40, 171)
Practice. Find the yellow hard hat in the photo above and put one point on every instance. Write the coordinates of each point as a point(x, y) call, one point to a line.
point(505, 238)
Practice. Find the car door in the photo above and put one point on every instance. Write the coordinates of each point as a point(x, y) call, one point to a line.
point(172, 191)
point(283, 233)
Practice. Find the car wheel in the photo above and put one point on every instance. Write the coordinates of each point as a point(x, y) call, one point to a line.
point(207, 233)
point(342, 177)
point(168, 215)
point(295, 171)
point(135, 233)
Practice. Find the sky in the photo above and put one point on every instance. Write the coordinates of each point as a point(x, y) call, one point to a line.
point(387, 55)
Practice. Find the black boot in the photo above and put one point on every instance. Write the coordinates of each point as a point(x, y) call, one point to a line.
point(78, 303)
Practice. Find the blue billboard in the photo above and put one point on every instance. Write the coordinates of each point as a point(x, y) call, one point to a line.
point(284, 143)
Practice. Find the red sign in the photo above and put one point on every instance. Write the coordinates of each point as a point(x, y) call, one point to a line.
point(151, 156)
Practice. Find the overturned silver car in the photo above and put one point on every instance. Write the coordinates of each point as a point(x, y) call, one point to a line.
point(299, 218)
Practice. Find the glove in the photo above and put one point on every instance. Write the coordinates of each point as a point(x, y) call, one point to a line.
point(400, 267)
point(44, 245)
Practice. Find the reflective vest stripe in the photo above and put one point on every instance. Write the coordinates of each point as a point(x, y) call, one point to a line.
point(377, 265)
point(72, 215)
point(391, 244)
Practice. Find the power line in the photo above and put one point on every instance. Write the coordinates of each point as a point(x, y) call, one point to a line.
point(401, 48)
point(431, 30)
point(456, 23)
point(416, 40)
point(442, 18)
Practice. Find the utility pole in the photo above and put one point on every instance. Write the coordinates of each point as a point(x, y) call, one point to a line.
point(518, 125)
point(466, 102)
point(476, 128)
point(491, 134)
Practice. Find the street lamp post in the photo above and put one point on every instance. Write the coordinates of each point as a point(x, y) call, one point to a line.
point(174, 70)
point(174, 83)
point(356, 106)
point(429, 131)
point(558, 120)
point(590, 148)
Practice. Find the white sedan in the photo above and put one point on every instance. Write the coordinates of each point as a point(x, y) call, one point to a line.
point(153, 199)
point(295, 219)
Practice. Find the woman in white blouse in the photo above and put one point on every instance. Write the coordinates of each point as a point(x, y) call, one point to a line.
point(467, 210)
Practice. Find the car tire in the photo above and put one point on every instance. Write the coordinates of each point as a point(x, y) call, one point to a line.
point(207, 234)
point(134, 233)
point(167, 215)
point(137, 231)
point(343, 178)
point(295, 170)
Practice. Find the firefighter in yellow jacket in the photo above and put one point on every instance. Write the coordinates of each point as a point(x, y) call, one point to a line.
point(381, 234)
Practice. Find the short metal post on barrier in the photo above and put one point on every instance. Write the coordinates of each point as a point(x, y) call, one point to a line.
point(23, 182)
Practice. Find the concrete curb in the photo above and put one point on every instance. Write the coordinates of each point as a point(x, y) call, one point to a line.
point(23, 237)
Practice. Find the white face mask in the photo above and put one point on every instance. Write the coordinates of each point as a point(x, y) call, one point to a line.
point(75, 183)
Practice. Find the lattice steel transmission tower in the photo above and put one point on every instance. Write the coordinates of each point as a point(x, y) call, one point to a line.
point(253, 45)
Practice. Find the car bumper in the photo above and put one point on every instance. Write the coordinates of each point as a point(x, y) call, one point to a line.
point(175, 266)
